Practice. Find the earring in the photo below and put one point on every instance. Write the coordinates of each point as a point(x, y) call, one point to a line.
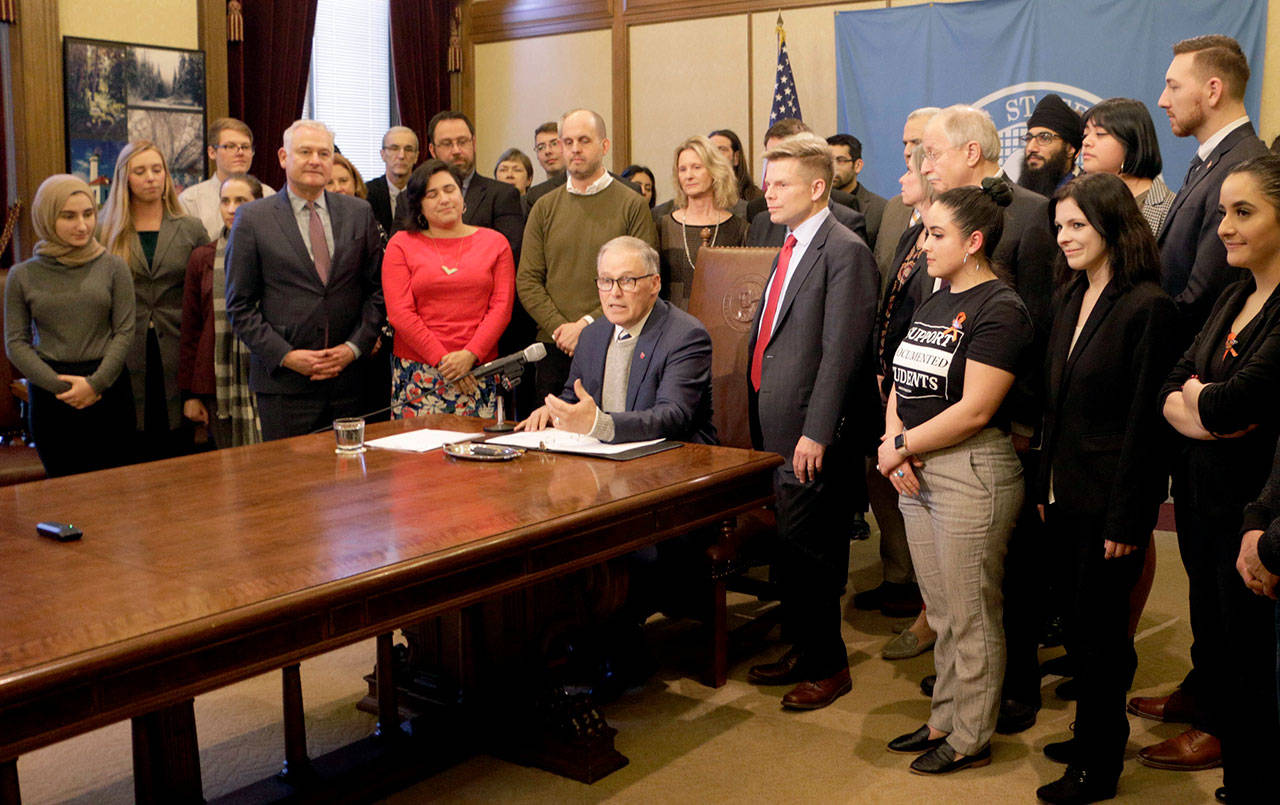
point(965, 260)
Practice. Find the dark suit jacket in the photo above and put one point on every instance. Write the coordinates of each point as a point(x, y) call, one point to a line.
point(1194, 259)
point(896, 219)
point(275, 299)
point(817, 377)
point(1104, 439)
point(892, 325)
point(496, 205)
point(765, 233)
point(669, 390)
point(872, 208)
point(380, 200)
point(1026, 253)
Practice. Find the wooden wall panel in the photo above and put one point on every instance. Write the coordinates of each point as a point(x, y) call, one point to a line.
point(494, 20)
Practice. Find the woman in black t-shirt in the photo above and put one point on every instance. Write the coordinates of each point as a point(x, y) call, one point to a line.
point(946, 450)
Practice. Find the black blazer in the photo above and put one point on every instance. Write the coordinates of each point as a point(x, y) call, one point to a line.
point(1195, 269)
point(892, 324)
point(496, 205)
point(379, 198)
point(817, 376)
point(275, 299)
point(1241, 393)
point(763, 232)
point(1104, 438)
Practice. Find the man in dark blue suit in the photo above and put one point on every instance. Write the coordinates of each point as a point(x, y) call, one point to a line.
point(643, 371)
point(812, 400)
point(304, 290)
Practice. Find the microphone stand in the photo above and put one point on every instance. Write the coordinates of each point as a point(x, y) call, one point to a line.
point(506, 383)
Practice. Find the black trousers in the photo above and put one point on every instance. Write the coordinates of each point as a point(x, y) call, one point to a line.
point(551, 373)
point(70, 440)
point(285, 415)
point(812, 563)
point(1097, 591)
point(1234, 652)
point(1024, 595)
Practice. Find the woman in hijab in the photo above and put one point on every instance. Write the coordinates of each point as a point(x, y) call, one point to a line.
point(69, 320)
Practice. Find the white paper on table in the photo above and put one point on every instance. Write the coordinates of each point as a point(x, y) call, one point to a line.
point(562, 441)
point(422, 440)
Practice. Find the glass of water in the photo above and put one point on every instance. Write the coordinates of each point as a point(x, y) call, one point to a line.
point(349, 436)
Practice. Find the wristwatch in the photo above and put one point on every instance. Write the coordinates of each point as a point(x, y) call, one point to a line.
point(900, 442)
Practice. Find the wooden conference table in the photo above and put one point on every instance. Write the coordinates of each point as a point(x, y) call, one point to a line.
point(201, 571)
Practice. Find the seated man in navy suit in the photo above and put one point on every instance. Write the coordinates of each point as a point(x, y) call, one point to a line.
point(641, 372)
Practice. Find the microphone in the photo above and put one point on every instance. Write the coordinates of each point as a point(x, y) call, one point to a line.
point(530, 354)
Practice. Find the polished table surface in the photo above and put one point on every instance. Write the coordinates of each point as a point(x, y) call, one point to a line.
point(200, 571)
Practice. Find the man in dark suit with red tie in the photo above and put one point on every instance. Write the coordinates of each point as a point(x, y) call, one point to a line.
point(304, 290)
point(813, 401)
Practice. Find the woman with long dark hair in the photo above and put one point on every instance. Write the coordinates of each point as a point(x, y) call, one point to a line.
point(1102, 473)
point(946, 449)
point(449, 288)
point(728, 144)
point(1222, 397)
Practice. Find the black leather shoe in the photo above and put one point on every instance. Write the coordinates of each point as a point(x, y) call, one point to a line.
point(942, 760)
point(785, 671)
point(1221, 794)
point(913, 743)
point(1076, 787)
point(926, 685)
point(1015, 717)
point(1063, 752)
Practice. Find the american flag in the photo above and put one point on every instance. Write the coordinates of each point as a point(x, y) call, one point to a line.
point(785, 101)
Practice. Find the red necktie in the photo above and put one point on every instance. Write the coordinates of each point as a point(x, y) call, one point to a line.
point(771, 310)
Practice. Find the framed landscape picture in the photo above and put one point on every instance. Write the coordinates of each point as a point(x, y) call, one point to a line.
point(115, 92)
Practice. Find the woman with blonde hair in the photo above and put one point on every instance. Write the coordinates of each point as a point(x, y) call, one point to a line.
point(705, 192)
point(345, 179)
point(144, 224)
point(68, 325)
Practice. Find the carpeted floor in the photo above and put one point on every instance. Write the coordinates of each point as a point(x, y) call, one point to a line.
point(686, 742)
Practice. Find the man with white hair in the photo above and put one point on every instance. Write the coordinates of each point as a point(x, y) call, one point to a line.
point(309, 303)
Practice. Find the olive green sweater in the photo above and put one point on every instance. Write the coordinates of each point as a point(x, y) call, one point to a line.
point(556, 279)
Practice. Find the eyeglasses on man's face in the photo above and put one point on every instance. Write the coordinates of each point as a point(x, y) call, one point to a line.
point(1042, 137)
point(235, 148)
point(624, 283)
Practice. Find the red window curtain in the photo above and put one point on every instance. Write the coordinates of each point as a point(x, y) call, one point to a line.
point(420, 58)
point(267, 75)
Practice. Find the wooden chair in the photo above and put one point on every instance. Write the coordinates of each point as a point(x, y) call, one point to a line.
point(728, 286)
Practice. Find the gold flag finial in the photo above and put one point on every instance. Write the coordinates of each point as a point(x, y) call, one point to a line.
point(782, 35)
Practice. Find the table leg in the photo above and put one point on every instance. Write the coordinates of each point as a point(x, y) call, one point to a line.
point(166, 756)
point(297, 766)
point(388, 707)
point(10, 794)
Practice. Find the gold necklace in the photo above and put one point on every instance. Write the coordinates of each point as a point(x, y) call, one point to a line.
point(457, 260)
point(684, 237)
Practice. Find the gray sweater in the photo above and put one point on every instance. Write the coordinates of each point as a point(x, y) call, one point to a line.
point(54, 312)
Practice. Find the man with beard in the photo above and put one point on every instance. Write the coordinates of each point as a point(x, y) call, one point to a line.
point(1054, 134)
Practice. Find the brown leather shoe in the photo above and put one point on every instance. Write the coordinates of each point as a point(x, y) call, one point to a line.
point(1193, 750)
point(810, 695)
point(785, 671)
point(1178, 707)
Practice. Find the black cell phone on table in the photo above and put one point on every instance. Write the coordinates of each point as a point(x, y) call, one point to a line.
point(60, 532)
